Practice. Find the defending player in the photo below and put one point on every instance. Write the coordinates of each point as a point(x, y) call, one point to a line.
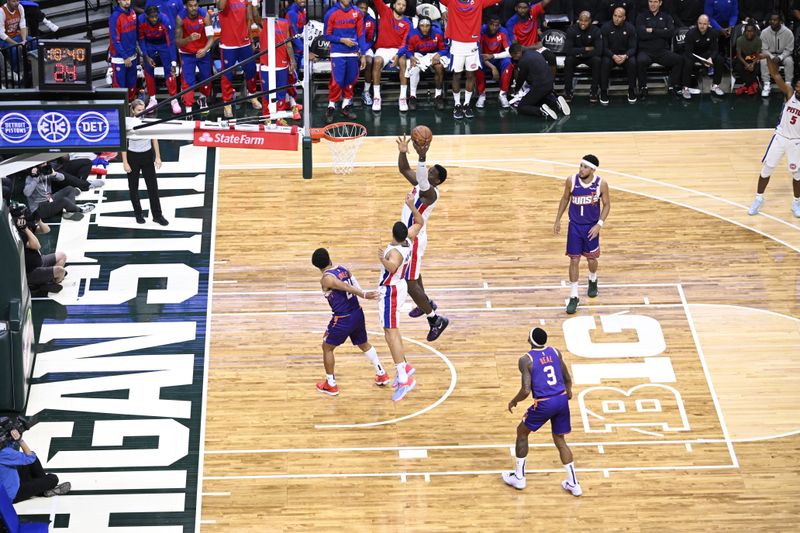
point(393, 290)
point(425, 193)
point(156, 44)
point(583, 192)
point(195, 37)
point(545, 375)
point(342, 292)
point(785, 140)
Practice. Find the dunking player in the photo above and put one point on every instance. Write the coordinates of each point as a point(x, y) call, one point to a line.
point(583, 192)
point(342, 291)
point(393, 290)
point(425, 196)
point(787, 135)
point(547, 377)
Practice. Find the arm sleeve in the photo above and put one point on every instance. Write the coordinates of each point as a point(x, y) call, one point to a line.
point(598, 42)
point(11, 457)
point(688, 45)
point(641, 30)
point(362, 43)
point(22, 23)
point(714, 48)
point(440, 40)
point(30, 185)
point(113, 32)
point(708, 9)
point(606, 32)
point(292, 17)
point(669, 31)
point(142, 43)
point(382, 9)
point(408, 47)
point(422, 177)
point(570, 49)
point(329, 28)
point(631, 51)
point(510, 29)
point(732, 20)
point(3, 34)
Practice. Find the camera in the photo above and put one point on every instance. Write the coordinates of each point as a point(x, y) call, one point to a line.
point(45, 169)
point(9, 424)
point(17, 209)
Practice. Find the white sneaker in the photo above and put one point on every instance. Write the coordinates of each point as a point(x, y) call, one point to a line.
point(755, 206)
point(716, 89)
point(796, 208)
point(176, 108)
point(87, 208)
point(189, 109)
point(562, 103)
point(403, 104)
point(687, 94)
point(547, 112)
point(511, 479)
point(96, 184)
point(227, 111)
point(503, 99)
point(766, 89)
point(151, 103)
point(694, 90)
point(366, 98)
point(575, 490)
point(481, 102)
point(376, 104)
point(255, 103)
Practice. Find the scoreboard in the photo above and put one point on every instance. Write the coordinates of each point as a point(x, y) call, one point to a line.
point(32, 122)
point(65, 66)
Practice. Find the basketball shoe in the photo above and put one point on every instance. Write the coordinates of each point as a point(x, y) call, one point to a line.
point(511, 479)
point(403, 389)
point(756, 205)
point(409, 371)
point(575, 489)
point(437, 328)
point(592, 292)
point(417, 312)
point(324, 388)
point(381, 380)
point(796, 207)
point(572, 306)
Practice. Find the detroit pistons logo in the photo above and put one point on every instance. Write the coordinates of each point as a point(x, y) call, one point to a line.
point(792, 167)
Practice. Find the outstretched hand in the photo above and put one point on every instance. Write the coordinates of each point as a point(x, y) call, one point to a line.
point(402, 144)
point(511, 405)
point(410, 199)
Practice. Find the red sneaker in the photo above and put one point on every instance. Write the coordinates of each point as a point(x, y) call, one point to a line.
point(404, 389)
point(382, 381)
point(753, 89)
point(409, 371)
point(324, 388)
point(296, 113)
point(742, 90)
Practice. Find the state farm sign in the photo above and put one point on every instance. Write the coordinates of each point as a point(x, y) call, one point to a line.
point(273, 138)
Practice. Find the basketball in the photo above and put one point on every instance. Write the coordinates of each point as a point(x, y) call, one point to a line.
point(421, 135)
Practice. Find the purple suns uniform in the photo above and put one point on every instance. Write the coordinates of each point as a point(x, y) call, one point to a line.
point(348, 317)
point(549, 392)
point(584, 212)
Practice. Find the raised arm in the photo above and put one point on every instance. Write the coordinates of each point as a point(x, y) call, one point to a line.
point(419, 222)
point(525, 387)
point(221, 4)
point(402, 160)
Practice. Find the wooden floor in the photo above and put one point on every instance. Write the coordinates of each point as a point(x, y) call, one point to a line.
point(679, 248)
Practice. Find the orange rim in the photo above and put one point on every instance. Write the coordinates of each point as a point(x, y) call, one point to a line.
point(338, 132)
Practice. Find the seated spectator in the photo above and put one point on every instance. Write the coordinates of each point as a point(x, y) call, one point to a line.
point(424, 50)
point(748, 48)
point(702, 44)
point(619, 50)
point(76, 173)
point(685, 12)
point(370, 25)
point(34, 18)
point(496, 61)
point(605, 11)
point(22, 475)
point(777, 43)
point(723, 16)
point(13, 30)
point(523, 28)
point(654, 31)
point(43, 202)
point(534, 82)
point(393, 28)
point(584, 46)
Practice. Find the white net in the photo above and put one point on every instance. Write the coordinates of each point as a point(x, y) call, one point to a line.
point(344, 140)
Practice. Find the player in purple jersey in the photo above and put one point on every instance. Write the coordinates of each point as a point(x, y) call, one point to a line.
point(583, 193)
point(545, 375)
point(342, 292)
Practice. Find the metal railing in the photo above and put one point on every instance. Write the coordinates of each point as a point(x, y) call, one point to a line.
point(15, 68)
point(87, 5)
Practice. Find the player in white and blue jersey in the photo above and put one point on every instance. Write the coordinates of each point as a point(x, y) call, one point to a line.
point(546, 377)
point(583, 193)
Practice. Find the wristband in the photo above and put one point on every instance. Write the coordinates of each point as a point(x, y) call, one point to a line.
point(600, 223)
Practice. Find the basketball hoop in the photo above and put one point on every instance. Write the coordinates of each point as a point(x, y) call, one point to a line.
point(343, 140)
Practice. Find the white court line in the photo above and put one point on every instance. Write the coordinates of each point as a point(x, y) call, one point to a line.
point(208, 522)
point(711, 389)
point(458, 289)
point(225, 281)
point(488, 304)
point(606, 473)
point(207, 358)
point(689, 447)
point(645, 432)
point(405, 475)
point(646, 300)
point(600, 449)
point(434, 405)
point(216, 494)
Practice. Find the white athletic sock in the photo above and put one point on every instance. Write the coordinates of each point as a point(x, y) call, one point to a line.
point(573, 290)
point(519, 471)
point(331, 104)
point(372, 356)
point(367, 87)
point(402, 377)
point(457, 97)
point(438, 93)
point(377, 91)
point(403, 91)
point(467, 97)
point(346, 102)
point(592, 276)
point(760, 196)
point(570, 468)
point(432, 314)
point(331, 380)
point(502, 92)
point(797, 200)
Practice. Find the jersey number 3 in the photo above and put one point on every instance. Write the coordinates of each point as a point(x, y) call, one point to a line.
point(551, 374)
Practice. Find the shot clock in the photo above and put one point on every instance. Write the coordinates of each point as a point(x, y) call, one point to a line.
point(65, 66)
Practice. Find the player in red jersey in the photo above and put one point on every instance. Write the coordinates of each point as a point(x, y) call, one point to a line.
point(235, 18)
point(464, 31)
point(284, 62)
point(393, 28)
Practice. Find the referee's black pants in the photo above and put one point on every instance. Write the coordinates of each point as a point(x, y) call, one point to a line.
point(144, 163)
